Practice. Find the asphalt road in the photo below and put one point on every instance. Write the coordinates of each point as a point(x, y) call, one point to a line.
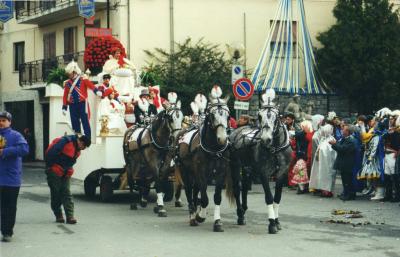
point(113, 230)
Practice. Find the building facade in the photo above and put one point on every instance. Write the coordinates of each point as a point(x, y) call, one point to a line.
point(46, 34)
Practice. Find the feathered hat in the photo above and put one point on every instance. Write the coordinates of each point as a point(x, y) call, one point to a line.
point(331, 116)
point(73, 67)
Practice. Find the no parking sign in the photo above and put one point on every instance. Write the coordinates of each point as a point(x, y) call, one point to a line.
point(243, 89)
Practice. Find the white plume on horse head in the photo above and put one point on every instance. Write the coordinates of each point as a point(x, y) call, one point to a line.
point(73, 67)
point(268, 97)
point(178, 104)
point(216, 92)
point(143, 104)
point(172, 97)
point(195, 108)
point(201, 101)
point(383, 112)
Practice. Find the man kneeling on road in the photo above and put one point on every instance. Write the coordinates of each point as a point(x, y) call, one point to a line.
point(61, 155)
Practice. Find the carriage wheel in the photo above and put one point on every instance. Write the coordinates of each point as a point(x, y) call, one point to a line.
point(168, 191)
point(90, 183)
point(106, 188)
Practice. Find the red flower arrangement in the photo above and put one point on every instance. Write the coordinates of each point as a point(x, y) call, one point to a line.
point(98, 50)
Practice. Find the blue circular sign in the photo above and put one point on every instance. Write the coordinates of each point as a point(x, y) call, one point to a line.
point(237, 70)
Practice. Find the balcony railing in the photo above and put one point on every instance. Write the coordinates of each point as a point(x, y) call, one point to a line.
point(48, 12)
point(37, 72)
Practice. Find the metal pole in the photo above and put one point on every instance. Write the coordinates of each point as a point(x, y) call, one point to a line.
point(108, 14)
point(245, 45)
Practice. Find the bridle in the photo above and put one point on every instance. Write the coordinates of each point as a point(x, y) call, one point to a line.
point(168, 116)
point(219, 107)
point(275, 132)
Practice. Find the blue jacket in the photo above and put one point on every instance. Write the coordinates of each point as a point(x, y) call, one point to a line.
point(11, 160)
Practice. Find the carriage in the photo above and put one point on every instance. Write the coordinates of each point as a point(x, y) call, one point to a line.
point(102, 164)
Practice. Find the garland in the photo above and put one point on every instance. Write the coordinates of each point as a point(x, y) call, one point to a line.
point(99, 49)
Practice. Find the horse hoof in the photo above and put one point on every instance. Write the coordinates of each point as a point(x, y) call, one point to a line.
point(278, 224)
point(162, 213)
point(241, 221)
point(200, 219)
point(218, 226)
point(143, 204)
point(156, 209)
point(134, 206)
point(272, 229)
point(193, 223)
point(178, 204)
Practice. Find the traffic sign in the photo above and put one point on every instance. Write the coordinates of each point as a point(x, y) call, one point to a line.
point(237, 72)
point(243, 89)
point(239, 105)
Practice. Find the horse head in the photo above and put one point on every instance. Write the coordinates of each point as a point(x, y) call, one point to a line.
point(218, 116)
point(174, 116)
point(268, 117)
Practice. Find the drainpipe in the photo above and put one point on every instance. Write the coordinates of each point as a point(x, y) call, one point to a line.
point(171, 34)
point(108, 14)
point(128, 47)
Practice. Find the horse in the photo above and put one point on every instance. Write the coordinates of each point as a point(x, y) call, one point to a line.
point(146, 150)
point(265, 150)
point(201, 152)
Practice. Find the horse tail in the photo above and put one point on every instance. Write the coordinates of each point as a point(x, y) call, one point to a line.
point(229, 186)
point(178, 176)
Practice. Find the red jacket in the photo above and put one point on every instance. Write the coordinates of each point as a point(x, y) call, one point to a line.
point(79, 93)
point(61, 155)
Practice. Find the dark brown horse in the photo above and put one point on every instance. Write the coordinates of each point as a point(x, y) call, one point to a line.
point(202, 154)
point(146, 150)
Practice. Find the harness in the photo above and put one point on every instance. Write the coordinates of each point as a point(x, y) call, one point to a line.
point(276, 129)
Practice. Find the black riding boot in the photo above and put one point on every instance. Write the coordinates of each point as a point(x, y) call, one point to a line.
point(388, 188)
point(396, 183)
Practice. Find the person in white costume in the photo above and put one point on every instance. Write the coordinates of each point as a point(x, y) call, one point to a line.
point(322, 172)
point(114, 111)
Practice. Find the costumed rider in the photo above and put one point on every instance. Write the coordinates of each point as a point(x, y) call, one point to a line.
point(106, 85)
point(75, 95)
point(155, 98)
point(144, 110)
point(112, 110)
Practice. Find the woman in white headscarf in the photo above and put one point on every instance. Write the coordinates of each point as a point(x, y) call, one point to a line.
point(322, 172)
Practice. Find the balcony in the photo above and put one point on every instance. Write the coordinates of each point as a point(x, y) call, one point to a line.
point(33, 75)
point(49, 12)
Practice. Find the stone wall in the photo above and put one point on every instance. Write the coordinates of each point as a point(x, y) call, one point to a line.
point(322, 104)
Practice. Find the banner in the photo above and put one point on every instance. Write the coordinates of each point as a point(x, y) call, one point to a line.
point(6, 10)
point(86, 8)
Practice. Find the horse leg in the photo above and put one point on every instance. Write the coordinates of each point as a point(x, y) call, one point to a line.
point(272, 229)
point(132, 170)
point(217, 201)
point(160, 199)
point(178, 201)
point(237, 188)
point(189, 196)
point(201, 215)
point(277, 198)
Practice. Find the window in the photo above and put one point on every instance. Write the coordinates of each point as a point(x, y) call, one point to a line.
point(70, 40)
point(281, 32)
point(49, 45)
point(19, 55)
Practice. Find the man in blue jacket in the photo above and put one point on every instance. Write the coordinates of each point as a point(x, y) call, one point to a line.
point(13, 147)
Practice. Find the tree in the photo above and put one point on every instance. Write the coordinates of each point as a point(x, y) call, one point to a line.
point(193, 68)
point(361, 53)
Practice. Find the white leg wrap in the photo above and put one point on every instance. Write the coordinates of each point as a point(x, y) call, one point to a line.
point(192, 216)
point(217, 212)
point(271, 214)
point(160, 199)
point(203, 212)
point(276, 210)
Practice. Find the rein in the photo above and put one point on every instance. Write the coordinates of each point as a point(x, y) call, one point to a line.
point(276, 129)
